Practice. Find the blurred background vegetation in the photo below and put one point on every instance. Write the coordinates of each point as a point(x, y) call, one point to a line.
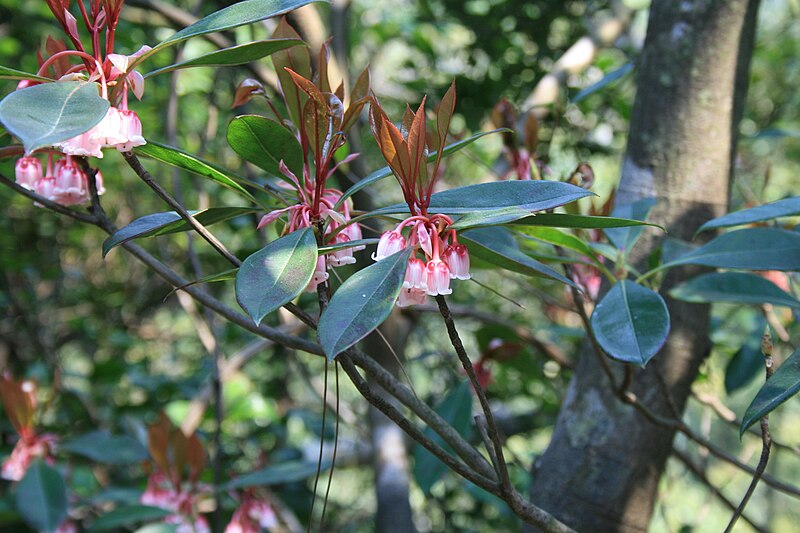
point(119, 347)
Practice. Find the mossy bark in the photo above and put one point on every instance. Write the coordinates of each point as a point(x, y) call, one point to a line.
point(602, 468)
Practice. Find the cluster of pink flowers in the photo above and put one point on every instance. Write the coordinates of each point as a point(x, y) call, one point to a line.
point(445, 258)
point(27, 449)
point(338, 230)
point(161, 492)
point(252, 516)
point(61, 181)
point(120, 128)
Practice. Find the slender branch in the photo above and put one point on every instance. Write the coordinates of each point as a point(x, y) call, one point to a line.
point(494, 433)
point(701, 475)
point(58, 208)
point(766, 441)
point(162, 193)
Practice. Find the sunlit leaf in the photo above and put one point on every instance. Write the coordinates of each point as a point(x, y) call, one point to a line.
point(186, 161)
point(234, 55)
point(265, 143)
point(631, 322)
point(49, 113)
point(276, 274)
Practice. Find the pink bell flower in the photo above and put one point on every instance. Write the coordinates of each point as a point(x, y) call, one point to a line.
point(341, 256)
point(28, 171)
point(70, 187)
point(130, 130)
point(416, 276)
point(353, 232)
point(83, 145)
point(390, 243)
point(438, 277)
point(45, 188)
point(457, 259)
point(24, 452)
point(411, 297)
point(108, 132)
point(320, 275)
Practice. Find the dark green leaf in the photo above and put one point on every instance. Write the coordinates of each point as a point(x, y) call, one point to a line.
point(265, 143)
point(362, 303)
point(456, 409)
point(788, 207)
point(498, 246)
point(288, 472)
point(186, 161)
point(13, 74)
point(733, 287)
point(385, 172)
point(749, 249)
point(783, 384)
point(104, 448)
point(609, 78)
point(42, 497)
point(127, 516)
point(563, 220)
point(746, 363)
point(170, 222)
point(49, 113)
point(631, 322)
point(158, 527)
point(235, 55)
point(497, 197)
point(239, 14)
point(276, 274)
point(626, 238)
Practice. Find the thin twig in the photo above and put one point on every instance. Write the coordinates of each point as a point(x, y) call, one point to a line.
point(58, 208)
point(335, 450)
point(321, 446)
point(766, 441)
point(494, 433)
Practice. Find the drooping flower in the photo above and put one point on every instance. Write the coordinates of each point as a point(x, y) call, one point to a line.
point(70, 186)
point(457, 258)
point(28, 171)
point(252, 516)
point(390, 243)
point(438, 277)
point(320, 274)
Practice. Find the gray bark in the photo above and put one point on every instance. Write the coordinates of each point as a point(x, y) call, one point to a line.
point(601, 470)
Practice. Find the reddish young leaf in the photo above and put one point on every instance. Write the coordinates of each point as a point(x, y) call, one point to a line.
point(196, 456)
point(158, 443)
point(19, 402)
point(443, 115)
point(296, 58)
point(322, 66)
point(359, 97)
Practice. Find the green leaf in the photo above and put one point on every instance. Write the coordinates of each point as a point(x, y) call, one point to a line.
point(158, 527)
point(631, 322)
point(498, 246)
point(49, 113)
point(788, 207)
point(563, 220)
point(783, 384)
point(456, 409)
point(234, 55)
point(102, 447)
point(749, 249)
point(276, 274)
point(41, 497)
point(238, 14)
point(385, 172)
point(13, 74)
point(626, 238)
point(186, 161)
point(606, 80)
point(170, 222)
point(746, 362)
point(558, 238)
point(733, 287)
point(349, 244)
point(127, 516)
point(265, 143)
point(362, 303)
point(288, 472)
point(497, 197)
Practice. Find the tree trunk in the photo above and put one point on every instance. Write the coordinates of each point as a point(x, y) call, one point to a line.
point(603, 465)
